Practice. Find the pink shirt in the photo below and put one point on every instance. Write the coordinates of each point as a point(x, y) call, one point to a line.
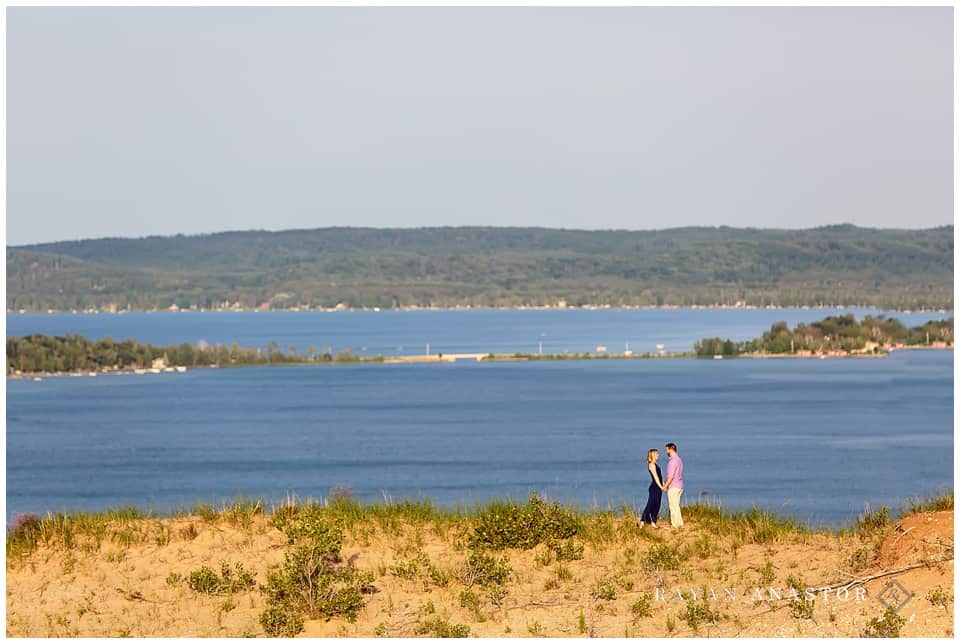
point(675, 472)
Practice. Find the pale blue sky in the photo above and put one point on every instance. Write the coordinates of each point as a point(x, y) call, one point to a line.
point(129, 122)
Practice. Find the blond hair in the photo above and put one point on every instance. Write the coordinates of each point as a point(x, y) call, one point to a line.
point(650, 454)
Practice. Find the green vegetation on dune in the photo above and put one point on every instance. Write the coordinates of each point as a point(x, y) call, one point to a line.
point(316, 581)
point(322, 522)
point(491, 267)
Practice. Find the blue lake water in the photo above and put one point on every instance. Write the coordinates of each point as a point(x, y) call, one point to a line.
point(408, 332)
point(813, 438)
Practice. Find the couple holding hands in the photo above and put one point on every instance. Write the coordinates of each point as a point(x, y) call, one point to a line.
point(673, 486)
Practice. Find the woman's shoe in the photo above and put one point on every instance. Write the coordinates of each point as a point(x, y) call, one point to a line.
point(654, 525)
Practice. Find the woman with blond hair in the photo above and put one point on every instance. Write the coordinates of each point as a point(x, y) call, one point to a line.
point(655, 491)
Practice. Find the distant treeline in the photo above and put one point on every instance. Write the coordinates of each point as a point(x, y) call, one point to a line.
point(489, 267)
point(72, 353)
point(834, 333)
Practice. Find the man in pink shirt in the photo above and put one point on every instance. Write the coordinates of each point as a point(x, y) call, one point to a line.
point(674, 485)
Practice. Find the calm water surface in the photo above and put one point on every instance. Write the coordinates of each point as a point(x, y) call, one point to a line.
point(408, 332)
point(814, 438)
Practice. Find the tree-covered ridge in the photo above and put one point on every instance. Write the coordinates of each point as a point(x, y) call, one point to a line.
point(834, 335)
point(492, 267)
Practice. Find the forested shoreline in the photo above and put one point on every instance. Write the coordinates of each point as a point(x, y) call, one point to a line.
point(481, 267)
point(833, 336)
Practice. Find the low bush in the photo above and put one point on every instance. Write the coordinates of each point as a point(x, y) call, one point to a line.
point(767, 575)
point(23, 534)
point(511, 525)
point(887, 625)
point(280, 622)
point(859, 559)
point(440, 627)
point(662, 556)
point(699, 612)
point(420, 566)
point(871, 521)
point(939, 597)
point(308, 523)
point(229, 581)
point(568, 550)
point(313, 579)
point(801, 606)
point(470, 600)
point(484, 570)
point(604, 590)
point(643, 607)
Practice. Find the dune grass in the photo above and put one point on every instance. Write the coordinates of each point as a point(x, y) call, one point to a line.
point(497, 524)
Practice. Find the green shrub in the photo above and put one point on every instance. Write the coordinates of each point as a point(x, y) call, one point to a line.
point(408, 569)
point(604, 590)
point(484, 570)
point(313, 579)
point(568, 550)
point(346, 601)
point(497, 594)
point(859, 559)
point(939, 597)
point(23, 535)
point(230, 580)
point(802, 608)
point(440, 627)
point(662, 556)
point(643, 606)
point(236, 580)
point(469, 600)
point(887, 625)
point(308, 524)
point(278, 622)
point(510, 525)
point(869, 522)
point(204, 580)
point(700, 612)
point(420, 566)
point(543, 558)
point(767, 576)
point(174, 578)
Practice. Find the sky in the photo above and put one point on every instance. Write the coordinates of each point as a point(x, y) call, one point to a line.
point(155, 121)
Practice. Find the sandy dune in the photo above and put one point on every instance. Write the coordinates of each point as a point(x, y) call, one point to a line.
point(129, 585)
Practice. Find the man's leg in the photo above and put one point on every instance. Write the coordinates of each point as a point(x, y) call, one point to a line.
point(673, 498)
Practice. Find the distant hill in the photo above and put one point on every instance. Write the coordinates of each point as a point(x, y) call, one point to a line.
point(489, 267)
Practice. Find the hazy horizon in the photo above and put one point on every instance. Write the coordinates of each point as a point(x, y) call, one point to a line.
point(137, 122)
point(413, 228)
